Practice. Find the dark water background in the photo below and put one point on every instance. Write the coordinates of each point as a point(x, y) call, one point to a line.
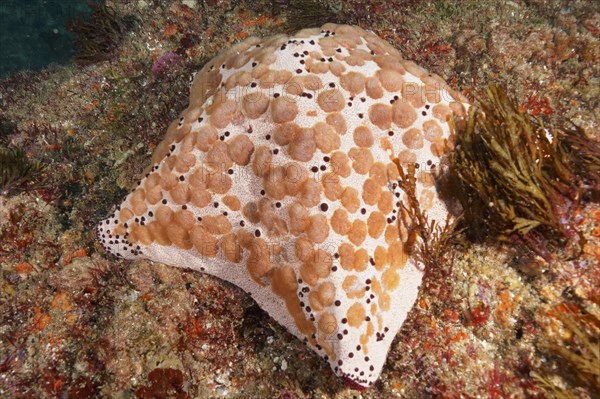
point(34, 34)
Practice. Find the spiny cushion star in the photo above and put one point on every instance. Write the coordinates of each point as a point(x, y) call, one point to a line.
point(280, 178)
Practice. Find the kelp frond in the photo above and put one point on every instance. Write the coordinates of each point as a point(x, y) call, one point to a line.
point(525, 178)
point(17, 172)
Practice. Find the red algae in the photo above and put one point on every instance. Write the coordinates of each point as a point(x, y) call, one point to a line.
point(163, 383)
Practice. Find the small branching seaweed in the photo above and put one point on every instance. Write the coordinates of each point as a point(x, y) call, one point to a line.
point(580, 353)
point(427, 240)
point(6, 129)
point(17, 172)
point(584, 156)
point(523, 179)
point(99, 34)
point(304, 13)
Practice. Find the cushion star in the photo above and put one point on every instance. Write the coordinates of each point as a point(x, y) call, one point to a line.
point(280, 178)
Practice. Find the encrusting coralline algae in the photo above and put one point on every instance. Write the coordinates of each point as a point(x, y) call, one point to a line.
point(280, 177)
